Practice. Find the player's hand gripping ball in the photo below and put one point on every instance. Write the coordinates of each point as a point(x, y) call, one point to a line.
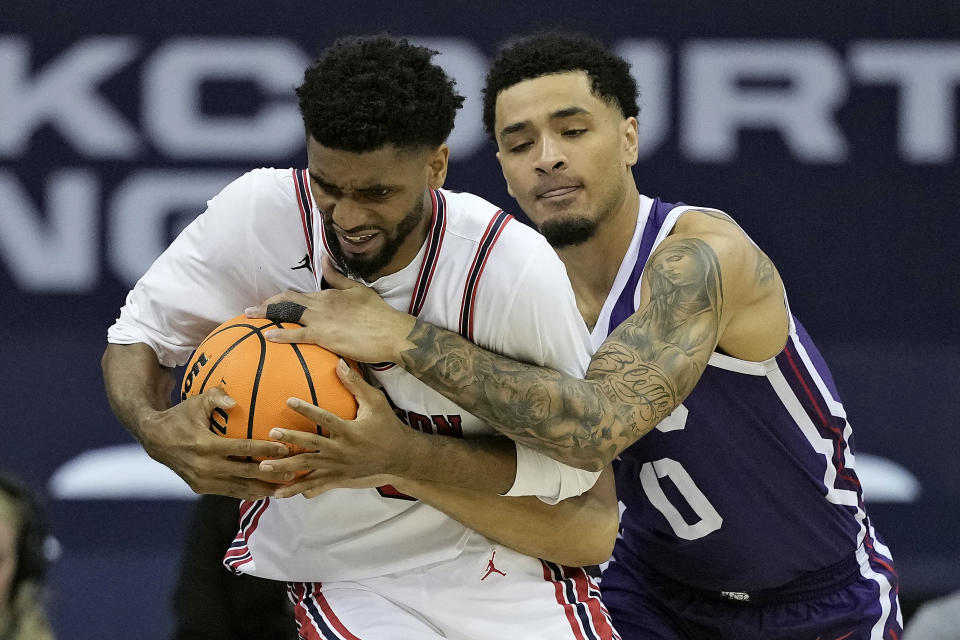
point(260, 375)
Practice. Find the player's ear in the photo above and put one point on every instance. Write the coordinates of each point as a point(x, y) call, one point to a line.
point(629, 136)
point(509, 189)
point(437, 166)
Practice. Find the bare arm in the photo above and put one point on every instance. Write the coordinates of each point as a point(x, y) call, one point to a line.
point(138, 389)
point(637, 377)
point(696, 281)
point(136, 383)
point(574, 532)
point(377, 443)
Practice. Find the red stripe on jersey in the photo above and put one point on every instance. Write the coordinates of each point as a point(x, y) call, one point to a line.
point(330, 616)
point(435, 235)
point(473, 265)
point(486, 257)
point(596, 615)
point(308, 630)
point(496, 225)
point(814, 401)
point(806, 388)
point(874, 555)
point(301, 185)
point(567, 608)
point(230, 558)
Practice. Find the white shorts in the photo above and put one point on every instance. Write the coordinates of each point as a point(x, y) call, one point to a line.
point(489, 592)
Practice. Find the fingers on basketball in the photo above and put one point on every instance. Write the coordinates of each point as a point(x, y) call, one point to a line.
point(259, 376)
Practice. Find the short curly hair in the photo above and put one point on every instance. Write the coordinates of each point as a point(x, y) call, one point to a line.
point(555, 51)
point(363, 93)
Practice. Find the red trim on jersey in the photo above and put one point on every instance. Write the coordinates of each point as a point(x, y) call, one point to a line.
point(841, 467)
point(315, 618)
point(301, 185)
point(598, 615)
point(305, 626)
point(813, 398)
point(497, 224)
point(329, 615)
point(234, 558)
point(567, 607)
point(874, 555)
point(435, 236)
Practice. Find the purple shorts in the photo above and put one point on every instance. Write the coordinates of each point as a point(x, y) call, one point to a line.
point(859, 606)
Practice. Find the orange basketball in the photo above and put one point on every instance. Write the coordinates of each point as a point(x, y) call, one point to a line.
point(260, 375)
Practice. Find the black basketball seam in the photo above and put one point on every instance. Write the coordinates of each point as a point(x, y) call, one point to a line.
point(254, 330)
point(223, 355)
point(306, 373)
point(256, 385)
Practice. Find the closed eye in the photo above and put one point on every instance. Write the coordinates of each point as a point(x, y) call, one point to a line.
point(572, 133)
point(523, 146)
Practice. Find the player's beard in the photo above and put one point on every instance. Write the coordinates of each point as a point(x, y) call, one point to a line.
point(365, 267)
point(568, 231)
point(572, 229)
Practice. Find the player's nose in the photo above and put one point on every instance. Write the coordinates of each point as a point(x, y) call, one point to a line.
point(551, 156)
point(347, 214)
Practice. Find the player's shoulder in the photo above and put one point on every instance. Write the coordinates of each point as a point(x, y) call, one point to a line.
point(692, 218)
point(266, 184)
point(479, 221)
point(265, 195)
point(713, 226)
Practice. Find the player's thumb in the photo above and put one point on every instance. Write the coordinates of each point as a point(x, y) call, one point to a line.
point(352, 380)
point(217, 398)
point(333, 276)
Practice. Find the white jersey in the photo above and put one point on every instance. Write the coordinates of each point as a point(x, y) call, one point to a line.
point(480, 273)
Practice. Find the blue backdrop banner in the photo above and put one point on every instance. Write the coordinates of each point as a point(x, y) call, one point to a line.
point(828, 131)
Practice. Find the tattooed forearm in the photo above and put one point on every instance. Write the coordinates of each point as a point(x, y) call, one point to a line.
point(544, 409)
point(638, 377)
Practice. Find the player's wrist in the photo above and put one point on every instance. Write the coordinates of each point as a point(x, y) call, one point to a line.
point(145, 421)
point(399, 338)
point(414, 459)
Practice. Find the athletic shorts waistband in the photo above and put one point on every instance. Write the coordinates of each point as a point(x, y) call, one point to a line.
point(808, 586)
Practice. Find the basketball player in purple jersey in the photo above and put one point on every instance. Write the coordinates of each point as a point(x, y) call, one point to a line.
point(744, 517)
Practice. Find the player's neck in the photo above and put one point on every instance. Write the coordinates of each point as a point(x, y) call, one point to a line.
point(593, 265)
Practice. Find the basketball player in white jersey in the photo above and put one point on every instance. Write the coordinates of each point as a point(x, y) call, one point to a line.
point(744, 518)
point(374, 562)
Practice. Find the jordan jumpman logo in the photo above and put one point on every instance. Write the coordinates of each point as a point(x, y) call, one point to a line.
point(491, 568)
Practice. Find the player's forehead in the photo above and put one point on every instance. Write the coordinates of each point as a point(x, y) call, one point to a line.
point(387, 165)
point(537, 100)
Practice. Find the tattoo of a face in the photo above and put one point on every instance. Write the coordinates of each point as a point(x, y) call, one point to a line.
point(641, 373)
point(764, 272)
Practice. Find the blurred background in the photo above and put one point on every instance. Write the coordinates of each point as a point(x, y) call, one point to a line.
point(828, 130)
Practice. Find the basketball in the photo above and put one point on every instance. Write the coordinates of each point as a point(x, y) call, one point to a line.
point(260, 375)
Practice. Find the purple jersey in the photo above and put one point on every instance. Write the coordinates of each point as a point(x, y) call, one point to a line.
point(750, 484)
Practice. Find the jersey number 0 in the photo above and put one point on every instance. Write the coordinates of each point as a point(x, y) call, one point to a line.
point(650, 474)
